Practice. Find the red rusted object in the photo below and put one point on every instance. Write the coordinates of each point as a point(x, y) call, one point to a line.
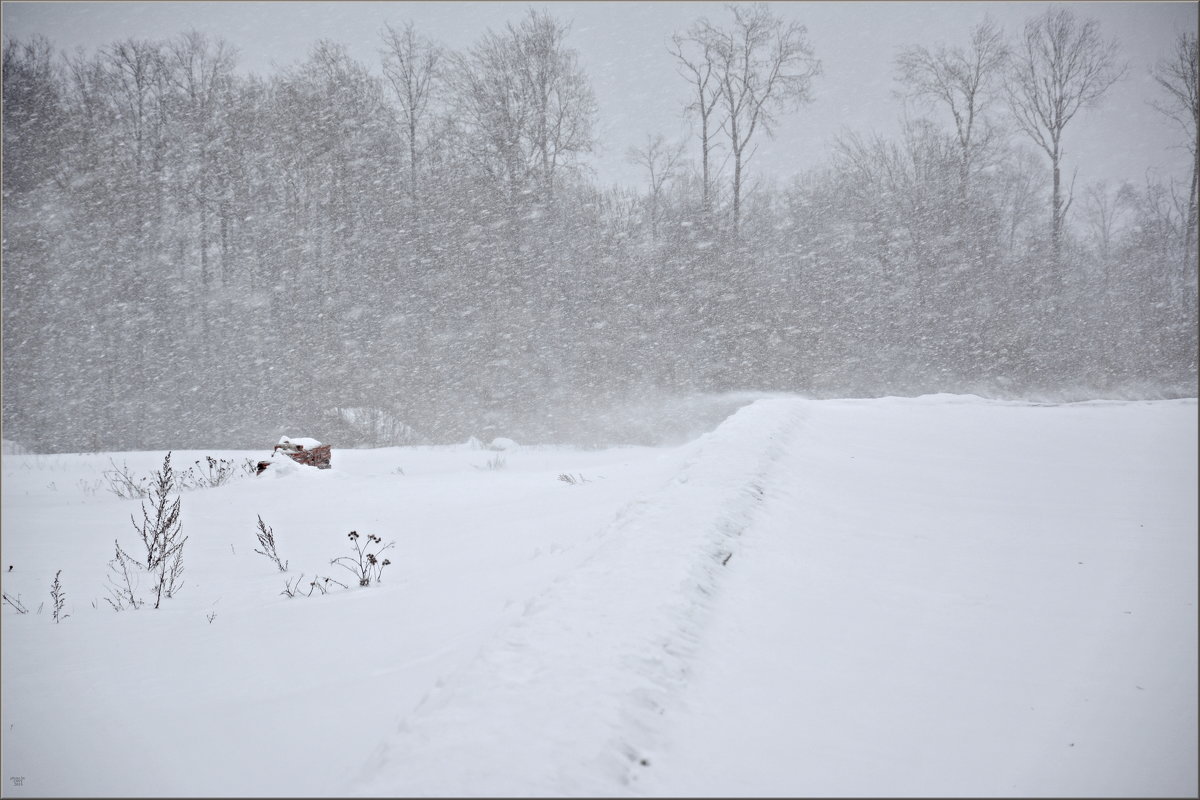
point(318, 457)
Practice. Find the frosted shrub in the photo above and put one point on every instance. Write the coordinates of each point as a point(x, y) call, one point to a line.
point(211, 472)
point(266, 540)
point(365, 564)
point(122, 581)
point(317, 584)
point(206, 473)
point(59, 598)
point(161, 535)
point(125, 484)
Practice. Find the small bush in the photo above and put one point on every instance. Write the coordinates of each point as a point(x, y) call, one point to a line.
point(317, 584)
point(59, 597)
point(266, 539)
point(365, 565)
point(122, 581)
point(125, 484)
point(161, 535)
point(206, 473)
point(290, 587)
point(209, 473)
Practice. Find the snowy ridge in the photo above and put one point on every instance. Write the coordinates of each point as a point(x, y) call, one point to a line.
point(596, 671)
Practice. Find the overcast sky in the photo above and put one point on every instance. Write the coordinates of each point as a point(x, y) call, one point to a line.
point(622, 46)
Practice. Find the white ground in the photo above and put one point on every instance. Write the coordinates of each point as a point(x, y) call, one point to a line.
point(936, 596)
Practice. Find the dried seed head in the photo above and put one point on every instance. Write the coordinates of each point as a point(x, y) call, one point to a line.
point(386, 562)
point(353, 535)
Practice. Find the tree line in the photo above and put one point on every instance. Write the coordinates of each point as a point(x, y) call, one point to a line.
point(195, 257)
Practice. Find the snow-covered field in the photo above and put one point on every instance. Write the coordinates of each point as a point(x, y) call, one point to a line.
point(930, 596)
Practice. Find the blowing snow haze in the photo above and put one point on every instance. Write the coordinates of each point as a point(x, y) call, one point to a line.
point(386, 223)
point(704, 376)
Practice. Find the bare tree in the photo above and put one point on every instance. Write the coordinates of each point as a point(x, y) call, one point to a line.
point(525, 103)
point(696, 54)
point(964, 81)
point(1060, 66)
point(660, 161)
point(902, 183)
point(135, 73)
point(1178, 77)
point(764, 66)
point(33, 114)
point(1104, 210)
point(201, 74)
point(411, 64)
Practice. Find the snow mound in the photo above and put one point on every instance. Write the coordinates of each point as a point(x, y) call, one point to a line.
point(301, 441)
point(281, 465)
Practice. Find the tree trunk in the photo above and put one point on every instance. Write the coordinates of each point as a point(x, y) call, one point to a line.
point(224, 244)
point(964, 170)
point(1189, 235)
point(737, 192)
point(1056, 213)
point(1189, 247)
point(412, 161)
point(203, 234)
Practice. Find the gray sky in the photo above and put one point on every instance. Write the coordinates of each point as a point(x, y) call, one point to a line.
point(622, 46)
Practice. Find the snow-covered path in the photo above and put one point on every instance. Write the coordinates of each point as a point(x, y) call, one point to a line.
point(571, 699)
point(933, 606)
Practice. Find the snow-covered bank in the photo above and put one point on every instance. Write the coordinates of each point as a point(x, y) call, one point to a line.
point(933, 596)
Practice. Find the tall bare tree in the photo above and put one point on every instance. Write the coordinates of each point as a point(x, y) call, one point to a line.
point(1104, 210)
point(525, 103)
point(32, 112)
point(764, 66)
point(1060, 66)
point(696, 55)
point(964, 81)
point(660, 160)
point(411, 64)
point(200, 73)
point(1178, 76)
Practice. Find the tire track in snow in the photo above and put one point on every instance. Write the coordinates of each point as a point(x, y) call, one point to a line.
point(568, 699)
